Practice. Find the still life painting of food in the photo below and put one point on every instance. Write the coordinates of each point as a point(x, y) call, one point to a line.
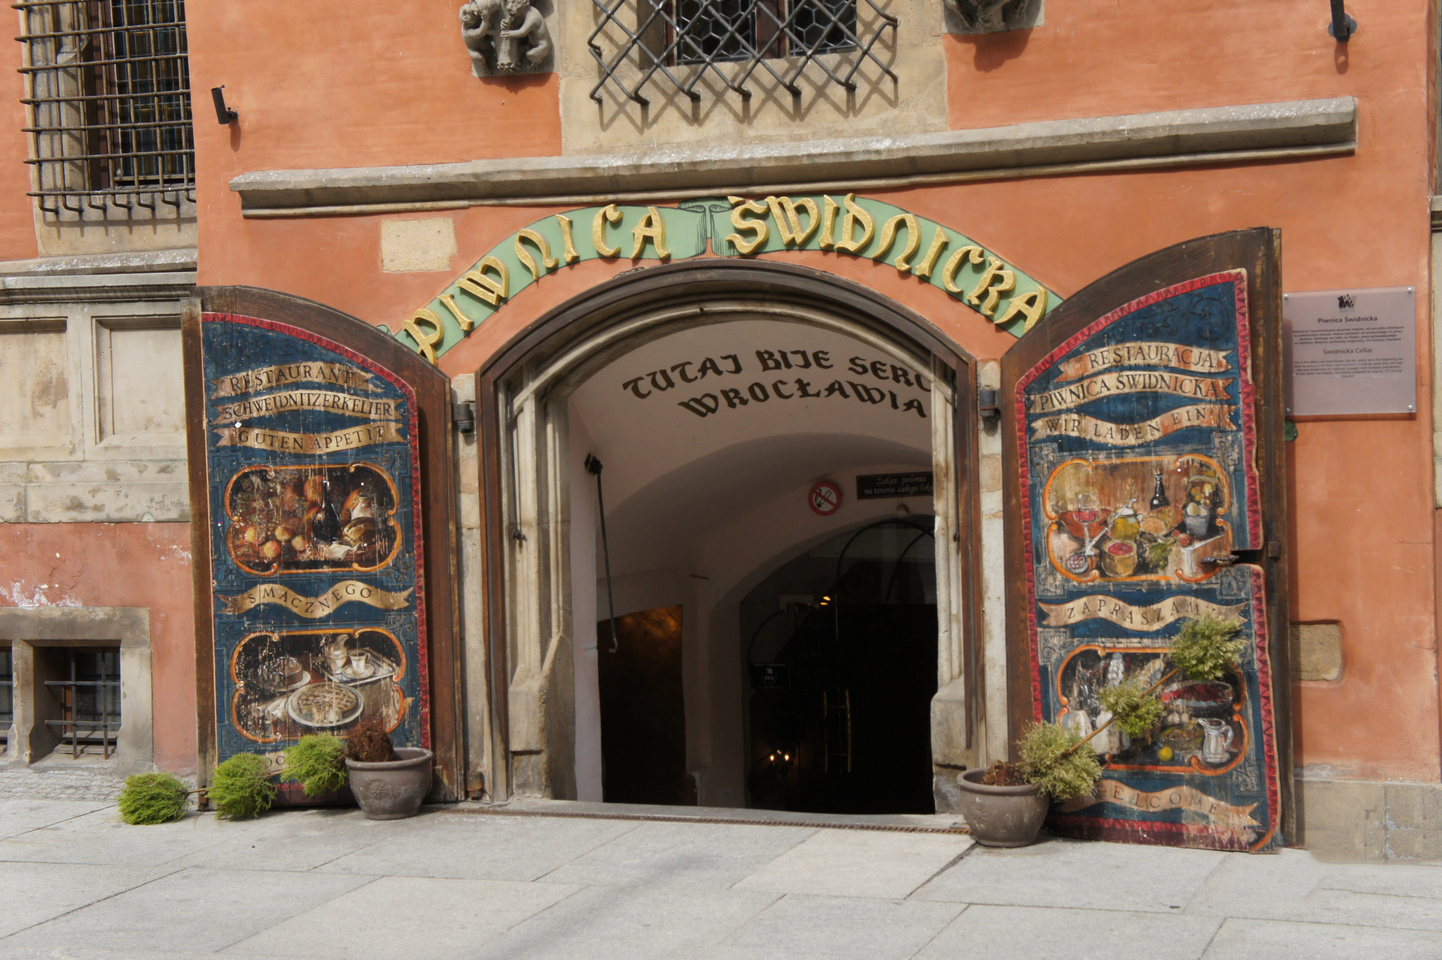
point(1138, 519)
point(1202, 727)
point(290, 683)
point(308, 519)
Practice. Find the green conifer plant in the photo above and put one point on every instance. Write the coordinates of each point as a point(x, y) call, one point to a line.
point(153, 798)
point(317, 763)
point(1133, 707)
point(1051, 759)
point(240, 788)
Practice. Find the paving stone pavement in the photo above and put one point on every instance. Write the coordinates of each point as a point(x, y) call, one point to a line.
point(539, 881)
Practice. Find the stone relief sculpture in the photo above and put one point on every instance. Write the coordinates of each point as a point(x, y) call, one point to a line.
point(504, 36)
point(993, 16)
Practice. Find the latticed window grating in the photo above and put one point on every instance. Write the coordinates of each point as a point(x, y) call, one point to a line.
point(89, 697)
point(7, 692)
point(109, 107)
point(682, 41)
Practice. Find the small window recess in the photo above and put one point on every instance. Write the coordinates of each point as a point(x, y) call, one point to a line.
point(681, 41)
point(7, 696)
point(87, 696)
point(108, 99)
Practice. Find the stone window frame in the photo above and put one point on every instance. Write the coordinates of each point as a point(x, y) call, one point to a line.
point(29, 630)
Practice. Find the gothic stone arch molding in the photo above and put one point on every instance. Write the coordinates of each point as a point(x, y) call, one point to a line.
point(732, 227)
point(521, 392)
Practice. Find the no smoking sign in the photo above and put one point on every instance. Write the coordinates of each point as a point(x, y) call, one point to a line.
point(824, 498)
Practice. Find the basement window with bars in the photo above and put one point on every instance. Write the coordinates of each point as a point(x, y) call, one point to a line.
point(108, 98)
point(85, 689)
point(640, 42)
point(7, 696)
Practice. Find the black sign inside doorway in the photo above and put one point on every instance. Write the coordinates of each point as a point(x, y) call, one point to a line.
point(877, 486)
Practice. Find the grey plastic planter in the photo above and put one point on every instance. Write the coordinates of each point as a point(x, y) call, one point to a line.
point(1001, 816)
point(394, 789)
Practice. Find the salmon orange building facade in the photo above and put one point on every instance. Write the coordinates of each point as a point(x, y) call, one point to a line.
point(772, 403)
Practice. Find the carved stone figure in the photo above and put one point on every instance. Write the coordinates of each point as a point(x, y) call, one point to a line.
point(523, 23)
point(477, 25)
point(994, 16)
point(504, 36)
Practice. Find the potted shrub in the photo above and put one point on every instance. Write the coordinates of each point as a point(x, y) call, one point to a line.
point(389, 782)
point(1005, 804)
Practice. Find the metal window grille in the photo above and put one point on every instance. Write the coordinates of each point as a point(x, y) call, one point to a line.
point(669, 39)
point(89, 699)
point(109, 107)
point(7, 693)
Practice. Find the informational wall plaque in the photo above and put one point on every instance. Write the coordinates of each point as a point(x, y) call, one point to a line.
point(314, 500)
point(1137, 481)
point(1351, 351)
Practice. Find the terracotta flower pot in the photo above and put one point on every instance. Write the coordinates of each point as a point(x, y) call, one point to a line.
point(394, 789)
point(1001, 816)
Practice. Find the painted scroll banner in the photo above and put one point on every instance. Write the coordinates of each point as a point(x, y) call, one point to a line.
point(314, 490)
point(1139, 482)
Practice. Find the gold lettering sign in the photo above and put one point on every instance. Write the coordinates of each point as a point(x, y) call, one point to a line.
point(264, 378)
point(1180, 797)
point(784, 212)
point(490, 289)
point(524, 255)
point(740, 222)
point(652, 228)
point(426, 339)
point(1132, 434)
point(1123, 614)
point(1144, 353)
point(610, 213)
point(309, 444)
point(292, 400)
point(312, 608)
point(1122, 382)
point(846, 223)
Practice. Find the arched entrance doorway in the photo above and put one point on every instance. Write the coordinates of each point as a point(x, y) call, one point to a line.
point(714, 396)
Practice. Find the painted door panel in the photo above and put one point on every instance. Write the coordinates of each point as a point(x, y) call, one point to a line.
point(308, 459)
point(1141, 476)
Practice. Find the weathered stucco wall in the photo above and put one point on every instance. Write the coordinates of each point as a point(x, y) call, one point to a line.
point(119, 565)
point(17, 224)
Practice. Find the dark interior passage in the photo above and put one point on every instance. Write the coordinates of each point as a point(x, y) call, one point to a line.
point(842, 672)
point(643, 713)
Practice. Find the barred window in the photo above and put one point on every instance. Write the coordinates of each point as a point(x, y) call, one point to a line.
point(109, 108)
point(661, 37)
point(85, 698)
point(731, 30)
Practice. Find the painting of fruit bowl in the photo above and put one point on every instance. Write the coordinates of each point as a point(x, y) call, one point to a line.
point(307, 519)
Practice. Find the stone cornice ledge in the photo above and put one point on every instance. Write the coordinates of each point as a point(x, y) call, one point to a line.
point(107, 277)
point(1255, 132)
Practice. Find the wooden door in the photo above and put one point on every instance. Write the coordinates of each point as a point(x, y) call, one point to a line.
point(321, 492)
point(1142, 420)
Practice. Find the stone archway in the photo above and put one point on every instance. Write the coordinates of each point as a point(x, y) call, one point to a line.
point(530, 730)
